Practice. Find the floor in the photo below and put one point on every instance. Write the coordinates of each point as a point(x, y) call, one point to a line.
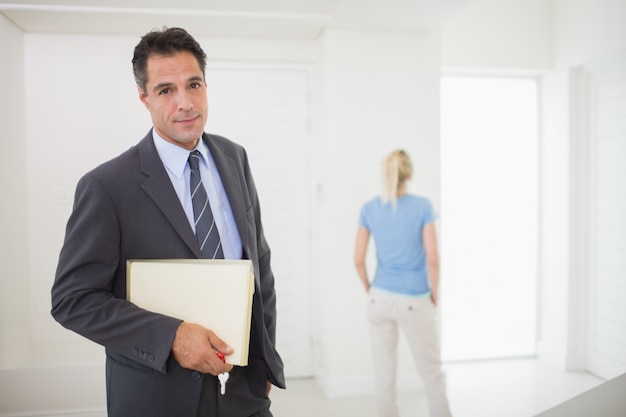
point(502, 388)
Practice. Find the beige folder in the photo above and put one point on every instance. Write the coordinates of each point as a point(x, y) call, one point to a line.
point(216, 294)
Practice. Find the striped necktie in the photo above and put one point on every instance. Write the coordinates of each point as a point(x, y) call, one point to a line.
point(206, 230)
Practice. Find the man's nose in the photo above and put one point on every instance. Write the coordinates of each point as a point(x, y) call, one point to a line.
point(184, 101)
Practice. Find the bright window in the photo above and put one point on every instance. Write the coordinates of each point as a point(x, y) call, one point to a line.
point(489, 217)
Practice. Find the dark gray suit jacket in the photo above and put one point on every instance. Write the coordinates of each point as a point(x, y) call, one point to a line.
point(127, 209)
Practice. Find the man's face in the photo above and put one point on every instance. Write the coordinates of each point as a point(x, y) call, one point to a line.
point(176, 98)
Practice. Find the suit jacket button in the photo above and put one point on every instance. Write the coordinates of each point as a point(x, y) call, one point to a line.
point(196, 375)
point(150, 358)
point(135, 352)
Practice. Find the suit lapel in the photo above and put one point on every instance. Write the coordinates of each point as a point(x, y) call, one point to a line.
point(159, 187)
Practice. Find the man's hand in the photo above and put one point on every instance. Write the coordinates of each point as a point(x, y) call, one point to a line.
point(196, 347)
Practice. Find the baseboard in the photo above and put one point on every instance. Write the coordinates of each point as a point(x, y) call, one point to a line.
point(58, 413)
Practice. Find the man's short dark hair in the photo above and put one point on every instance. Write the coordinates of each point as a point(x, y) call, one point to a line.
point(167, 42)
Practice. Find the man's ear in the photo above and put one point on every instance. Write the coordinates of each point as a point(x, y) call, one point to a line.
point(143, 97)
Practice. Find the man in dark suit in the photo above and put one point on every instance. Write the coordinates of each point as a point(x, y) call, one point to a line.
point(138, 206)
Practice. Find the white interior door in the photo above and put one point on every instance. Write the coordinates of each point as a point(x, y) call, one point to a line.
point(606, 350)
point(267, 110)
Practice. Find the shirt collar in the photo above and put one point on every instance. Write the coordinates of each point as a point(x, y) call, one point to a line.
point(175, 157)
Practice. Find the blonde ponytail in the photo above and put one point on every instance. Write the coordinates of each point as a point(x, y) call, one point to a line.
point(397, 169)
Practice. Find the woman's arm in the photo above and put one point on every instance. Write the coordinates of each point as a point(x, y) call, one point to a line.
point(360, 249)
point(429, 235)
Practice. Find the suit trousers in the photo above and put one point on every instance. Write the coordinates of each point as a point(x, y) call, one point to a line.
point(417, 317)
point(245, 393)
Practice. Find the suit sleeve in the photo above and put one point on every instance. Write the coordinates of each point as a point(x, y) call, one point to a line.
point(82, 293)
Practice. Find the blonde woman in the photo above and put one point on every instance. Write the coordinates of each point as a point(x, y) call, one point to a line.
point(404, 292)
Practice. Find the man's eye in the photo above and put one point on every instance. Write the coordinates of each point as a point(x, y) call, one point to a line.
point(196, 85)
point(164, 91)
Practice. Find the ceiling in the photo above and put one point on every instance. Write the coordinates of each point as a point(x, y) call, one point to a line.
point(283, 19)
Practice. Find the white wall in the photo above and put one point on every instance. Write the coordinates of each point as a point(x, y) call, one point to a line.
point(586, 32)
point(14, 298)
point(501, 35)
point(551, 39)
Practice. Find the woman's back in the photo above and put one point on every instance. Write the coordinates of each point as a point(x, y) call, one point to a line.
point(397, 232)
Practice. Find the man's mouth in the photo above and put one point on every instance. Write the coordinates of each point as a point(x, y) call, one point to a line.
point(186, 121)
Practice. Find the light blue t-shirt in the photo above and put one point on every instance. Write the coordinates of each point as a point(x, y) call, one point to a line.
point(400, 254)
